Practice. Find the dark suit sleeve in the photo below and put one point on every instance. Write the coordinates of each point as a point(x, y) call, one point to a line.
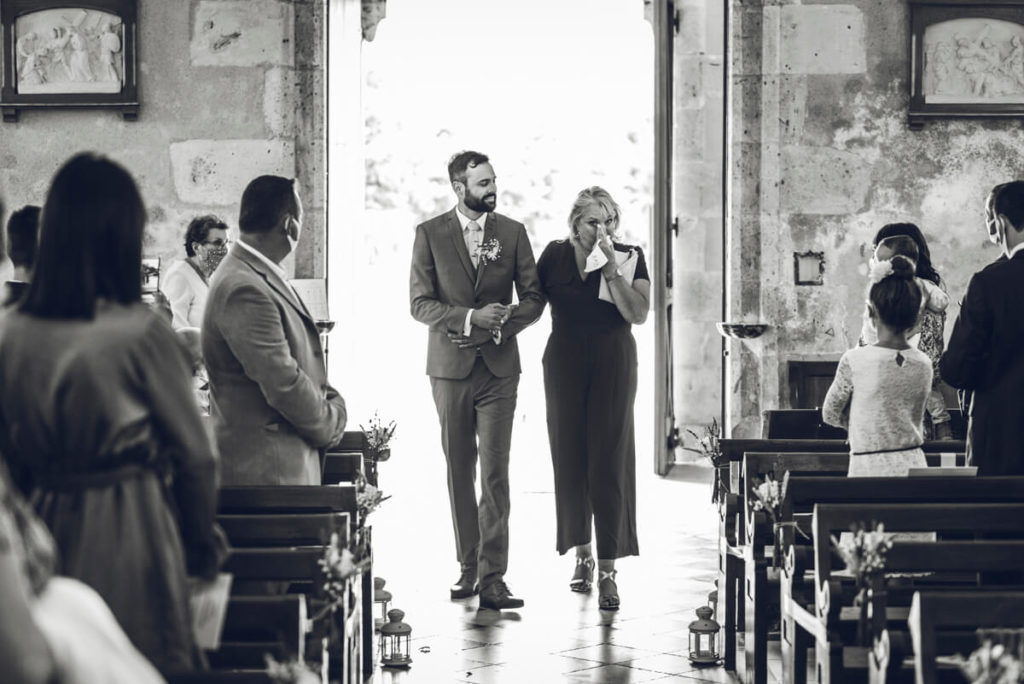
point(251, 326)
point(424, 303)
point(531, 298)
point(964, 365)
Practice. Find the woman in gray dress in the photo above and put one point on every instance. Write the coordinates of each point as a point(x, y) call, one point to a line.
point(97, 409)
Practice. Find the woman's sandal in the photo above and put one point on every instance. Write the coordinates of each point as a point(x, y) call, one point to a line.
point(583, 575)
point(608, 596)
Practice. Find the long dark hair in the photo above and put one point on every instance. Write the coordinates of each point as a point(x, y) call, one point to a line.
point(897, 298)
point(924, 256)
point(90, 241)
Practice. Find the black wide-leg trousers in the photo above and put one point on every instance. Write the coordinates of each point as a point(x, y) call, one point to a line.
point(590, 386)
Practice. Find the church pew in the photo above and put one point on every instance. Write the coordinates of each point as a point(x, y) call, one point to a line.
point(754, 599)
point(344, 461)
point(281, 500)
point(805, 491)
point(945, 623)
point(808, 424)
point(832, 618)
point(284, 529)
point(254, 625)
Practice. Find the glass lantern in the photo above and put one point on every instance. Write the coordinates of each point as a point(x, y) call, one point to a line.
point(383, 597)
point(394, 640)
point(703, 638)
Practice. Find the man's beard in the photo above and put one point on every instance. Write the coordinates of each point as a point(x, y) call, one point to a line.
point(480, 204)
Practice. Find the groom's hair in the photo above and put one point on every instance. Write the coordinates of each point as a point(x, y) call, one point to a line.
point(1009, 201)
point(463, 161)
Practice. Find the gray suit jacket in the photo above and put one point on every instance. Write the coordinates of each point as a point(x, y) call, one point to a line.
point(444, 286)
point(272, 407)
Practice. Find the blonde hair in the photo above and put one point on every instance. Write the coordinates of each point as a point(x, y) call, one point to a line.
point(588, 197)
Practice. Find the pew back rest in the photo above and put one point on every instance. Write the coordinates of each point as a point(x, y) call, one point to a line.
point(934, 612)
point(288, 499)
point(285, 529)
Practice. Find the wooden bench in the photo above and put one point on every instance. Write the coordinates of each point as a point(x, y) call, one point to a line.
point(832, 618)
point(267, 515)
point(255, 625)
point(747, 563)
point(946, 623)
point(344, 462)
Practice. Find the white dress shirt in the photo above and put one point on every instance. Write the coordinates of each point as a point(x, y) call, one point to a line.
point(470, 240)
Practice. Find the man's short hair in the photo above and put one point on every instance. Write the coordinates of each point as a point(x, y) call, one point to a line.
point(461, 162)
point(1008, 200)
point(23, 236)
point(265, 202)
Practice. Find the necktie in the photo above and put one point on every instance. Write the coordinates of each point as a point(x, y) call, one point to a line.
point(473, 235)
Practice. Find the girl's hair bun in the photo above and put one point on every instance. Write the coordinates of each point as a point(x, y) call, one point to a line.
point(902, 267)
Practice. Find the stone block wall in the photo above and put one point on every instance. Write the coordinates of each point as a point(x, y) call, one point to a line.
point(822, 156)
point(229, 90)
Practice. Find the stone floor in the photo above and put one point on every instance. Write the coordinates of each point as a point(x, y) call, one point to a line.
point(559, 636)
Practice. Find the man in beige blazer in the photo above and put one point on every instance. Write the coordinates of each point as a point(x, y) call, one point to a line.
point(464, 265)
point(273, 410)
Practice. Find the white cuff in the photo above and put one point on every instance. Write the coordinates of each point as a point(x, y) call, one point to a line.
point(467, 327)
point(496, 336)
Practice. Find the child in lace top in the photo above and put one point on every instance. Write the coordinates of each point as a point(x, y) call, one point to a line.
point(906, 239)
point(879, 390)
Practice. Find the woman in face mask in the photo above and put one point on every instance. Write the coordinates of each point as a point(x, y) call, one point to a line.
point(187, 282)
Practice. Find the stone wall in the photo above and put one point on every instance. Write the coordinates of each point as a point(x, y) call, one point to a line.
point(229, 89)
point(822, 156)
point(698, 66)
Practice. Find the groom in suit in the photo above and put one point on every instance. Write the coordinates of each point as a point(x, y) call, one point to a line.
point(464, 264)
point(272, 407)
point(984, 355)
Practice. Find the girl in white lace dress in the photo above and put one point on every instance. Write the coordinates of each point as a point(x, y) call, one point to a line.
point(879, 391)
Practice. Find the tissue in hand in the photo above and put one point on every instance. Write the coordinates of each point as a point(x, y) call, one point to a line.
point(596, 260)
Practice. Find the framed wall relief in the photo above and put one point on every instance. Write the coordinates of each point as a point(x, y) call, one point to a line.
point(63, 53)
point(966, 59)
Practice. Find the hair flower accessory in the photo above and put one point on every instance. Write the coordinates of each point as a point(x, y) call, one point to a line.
point(880, 270)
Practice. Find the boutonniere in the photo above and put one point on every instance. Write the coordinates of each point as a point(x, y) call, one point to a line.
point(489, 251)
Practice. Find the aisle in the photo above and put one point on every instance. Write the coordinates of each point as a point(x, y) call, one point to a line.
point(558, 636)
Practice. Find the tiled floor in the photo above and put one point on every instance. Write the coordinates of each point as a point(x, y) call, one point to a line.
point(559, 636)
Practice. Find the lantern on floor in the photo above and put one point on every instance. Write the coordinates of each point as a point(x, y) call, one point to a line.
point(383, 597)
point(703, 638)
point(394, 640)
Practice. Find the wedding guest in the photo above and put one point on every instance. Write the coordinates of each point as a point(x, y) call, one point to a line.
point(22, 239)
point(879, 391)
point(52, 628)
point(590, 376)
point(907, 240)
point(95, 402)
point(187, 282)
point(984, 355)
point(274, 411)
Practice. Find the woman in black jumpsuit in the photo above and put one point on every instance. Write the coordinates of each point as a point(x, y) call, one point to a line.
point(590, 373)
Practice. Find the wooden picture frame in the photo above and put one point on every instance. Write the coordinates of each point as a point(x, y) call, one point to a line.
point(966, 59)
point(68, 53)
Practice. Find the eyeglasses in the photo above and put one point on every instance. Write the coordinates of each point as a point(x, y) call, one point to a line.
point(218, 242)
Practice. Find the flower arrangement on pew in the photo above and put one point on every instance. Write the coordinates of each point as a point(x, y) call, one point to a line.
point(708, 447)
point(991, 664)
point(864, 553)
point(368, 498)
point(768, 496)
point(378, 442)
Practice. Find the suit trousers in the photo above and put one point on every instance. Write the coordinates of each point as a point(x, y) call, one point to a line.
point(476, 416)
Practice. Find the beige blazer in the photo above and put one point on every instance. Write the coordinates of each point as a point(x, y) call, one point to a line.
point(272, 407)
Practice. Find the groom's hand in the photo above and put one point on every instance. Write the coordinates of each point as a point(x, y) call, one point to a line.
point(489, 317)
point(476, 338)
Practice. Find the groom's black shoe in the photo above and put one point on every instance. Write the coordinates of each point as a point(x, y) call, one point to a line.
point(497, 597)
point(467, 585)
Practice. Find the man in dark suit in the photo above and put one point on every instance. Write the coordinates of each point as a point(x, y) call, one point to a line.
point(984, 356)
point(272, 407)
point(22, 242)
point(464, 264)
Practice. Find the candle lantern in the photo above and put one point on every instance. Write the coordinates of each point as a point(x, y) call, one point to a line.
point(382, 597)
point(703, 638)
point(394, 640)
